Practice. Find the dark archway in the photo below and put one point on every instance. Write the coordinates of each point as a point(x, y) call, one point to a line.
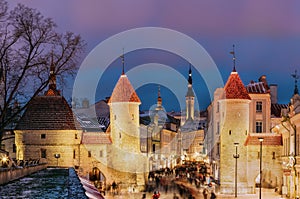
point(98, 178)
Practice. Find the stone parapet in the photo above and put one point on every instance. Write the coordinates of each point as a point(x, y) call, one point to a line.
point(9, 175)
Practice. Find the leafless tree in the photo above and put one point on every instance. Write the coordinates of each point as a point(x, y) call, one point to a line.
point(28, 45)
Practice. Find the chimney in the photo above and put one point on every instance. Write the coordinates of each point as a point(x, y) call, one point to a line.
point(273, 92)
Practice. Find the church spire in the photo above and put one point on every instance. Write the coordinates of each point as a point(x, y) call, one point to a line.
point(233, 58)
point(189, 98)
point(159, 99)
point(190, 80)
point(296, 77)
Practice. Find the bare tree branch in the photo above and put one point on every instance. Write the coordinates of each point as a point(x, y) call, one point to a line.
point(28, 41)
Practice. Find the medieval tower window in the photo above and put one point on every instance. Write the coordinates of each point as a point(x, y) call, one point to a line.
point(258, 127)
point(43, 136)
point(132, 116)
point(273, 155)
point(89, 154)
point(74, 154)
point(229, 132)
point(259, 106)
point(43, 153)
point(218, 128)
point(76, 136)
point(218, 107)
point(101, 154)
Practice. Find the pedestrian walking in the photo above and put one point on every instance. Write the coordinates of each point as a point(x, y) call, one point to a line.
point(205, 193)
point(213, 195)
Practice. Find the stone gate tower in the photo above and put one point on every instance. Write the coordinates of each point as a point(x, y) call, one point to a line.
point(233, 128)
point(125, 156)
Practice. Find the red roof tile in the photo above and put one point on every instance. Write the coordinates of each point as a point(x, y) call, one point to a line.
point(124, 92)
point(95, 138)
point(48, 113)
point(234, 88)
point(270, 139)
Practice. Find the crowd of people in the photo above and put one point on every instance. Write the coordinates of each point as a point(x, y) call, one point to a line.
point(180, 179)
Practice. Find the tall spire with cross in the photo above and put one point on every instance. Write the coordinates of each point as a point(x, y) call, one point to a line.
point(296, 77)
point(159, 99)
point(189, 98)
point(190, 80)
point(233, 58)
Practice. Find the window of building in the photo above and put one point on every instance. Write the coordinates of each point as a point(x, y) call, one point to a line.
point(273, 155)
point(101, 154)
point(218, 107)
point(76, 136)
point(218, 148)
point(259, 127)
point(89, 154)
point(132, 116)
point(153, 148)
point(43, 153)
point(14, 148)
point(259, 106)
point(218, 128)
point(43, 136)
point(74, 154)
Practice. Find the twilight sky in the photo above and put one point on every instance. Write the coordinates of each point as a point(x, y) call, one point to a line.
point(266, 35)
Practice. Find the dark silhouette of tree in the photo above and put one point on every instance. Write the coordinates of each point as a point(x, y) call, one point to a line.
point(29, 44)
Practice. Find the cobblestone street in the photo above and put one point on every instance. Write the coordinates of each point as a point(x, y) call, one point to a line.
point(266, 194)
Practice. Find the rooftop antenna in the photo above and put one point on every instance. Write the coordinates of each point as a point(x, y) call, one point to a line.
point(233, 58)
point(123, 62)
point(296, 77)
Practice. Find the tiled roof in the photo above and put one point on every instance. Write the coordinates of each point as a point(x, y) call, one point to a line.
point(276, 109)
point(48, 113)
point(124, 92)
point(256, 87)
point(95, 138)
point(234, 88)
point(270, 139)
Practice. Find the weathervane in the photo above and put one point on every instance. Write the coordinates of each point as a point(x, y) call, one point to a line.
point(296, 77)
point(233, 58)
point(123, 62)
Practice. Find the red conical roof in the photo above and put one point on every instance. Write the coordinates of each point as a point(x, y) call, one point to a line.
point(234, 88)
point(124, 92)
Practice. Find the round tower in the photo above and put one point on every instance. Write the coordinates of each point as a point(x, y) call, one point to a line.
point(234, 128)
point(125, 157)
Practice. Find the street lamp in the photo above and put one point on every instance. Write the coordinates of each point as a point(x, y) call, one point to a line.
point(57, 155)
point(236, 156)
point(260, 162)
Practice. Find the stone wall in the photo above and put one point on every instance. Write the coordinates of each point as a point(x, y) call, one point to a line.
point(13, 174)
